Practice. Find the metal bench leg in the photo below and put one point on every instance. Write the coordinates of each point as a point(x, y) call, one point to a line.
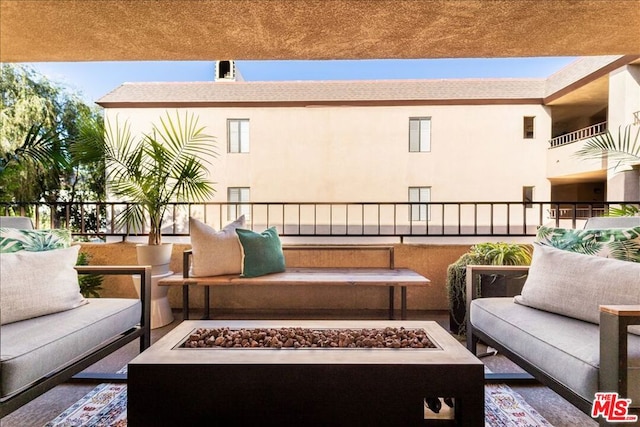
point(185, 302)
point(403, 303)
point(206, 303)
point(391, 301)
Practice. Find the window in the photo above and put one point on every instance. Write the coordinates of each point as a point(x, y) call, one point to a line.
point(237, 196)
point(528, 127)
point(527, 196)
point(420, 212)
point(238, 135)
point(420, 135)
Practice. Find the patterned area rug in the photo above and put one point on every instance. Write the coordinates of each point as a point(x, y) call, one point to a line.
point(503, 407)
point(106, 405)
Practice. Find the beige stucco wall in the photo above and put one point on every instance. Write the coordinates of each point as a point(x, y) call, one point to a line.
point(360, 153)
point(624, 100)
point(562, 161)
point(429, 260)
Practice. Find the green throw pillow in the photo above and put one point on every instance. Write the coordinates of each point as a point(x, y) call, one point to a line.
point(617, 243)
point(14, 240)
point(262, 252)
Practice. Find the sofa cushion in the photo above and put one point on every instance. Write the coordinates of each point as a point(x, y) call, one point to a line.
point(13, 239)
point(564, 348)
point(618, 243)
point(33, 348)
point(38, 283)
point(575, 285)
point(262, 252)
point(214, 252)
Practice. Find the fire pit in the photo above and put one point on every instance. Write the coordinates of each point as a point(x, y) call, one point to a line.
point(293, 338)
point(187, 379)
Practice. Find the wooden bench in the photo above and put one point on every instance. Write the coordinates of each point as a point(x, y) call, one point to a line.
point(329, 276)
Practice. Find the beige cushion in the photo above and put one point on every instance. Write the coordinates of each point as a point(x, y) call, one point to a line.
point(215, 252)
point(37, 283)
point(575, 285)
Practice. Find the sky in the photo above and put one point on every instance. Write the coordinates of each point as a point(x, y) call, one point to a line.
point(93, 80)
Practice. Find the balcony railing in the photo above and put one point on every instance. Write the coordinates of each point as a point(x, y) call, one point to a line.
point(97, 221)
point(578, 135)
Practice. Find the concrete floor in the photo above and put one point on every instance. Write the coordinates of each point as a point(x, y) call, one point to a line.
point(46, 407)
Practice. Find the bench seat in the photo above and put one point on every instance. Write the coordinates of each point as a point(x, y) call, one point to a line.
point(390, 277)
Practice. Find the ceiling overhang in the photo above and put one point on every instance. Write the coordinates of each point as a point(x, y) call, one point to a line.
point(121, 30)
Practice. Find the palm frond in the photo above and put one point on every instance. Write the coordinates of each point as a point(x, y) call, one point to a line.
point(588, 247)
point(623, 150)
point(162, 166)
point(543, 232)
point(623, 210)
point(625, 249)
point(132, 218)
point(41, 146)
point(89, 145)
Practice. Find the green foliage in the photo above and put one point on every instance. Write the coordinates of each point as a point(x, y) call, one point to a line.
point(621, 151)
point(623, 210)
point(481, 254)
point(500, 254)
point(150, 171)
point(40, 122)
point(40, 147)
point(90, 284)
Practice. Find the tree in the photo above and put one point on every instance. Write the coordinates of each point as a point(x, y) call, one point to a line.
point(40, 122)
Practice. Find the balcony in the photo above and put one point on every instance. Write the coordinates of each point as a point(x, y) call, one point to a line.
point(578, 135)
point(427, 237)
point(397, 222)
point(563, 163)
point(402, 223)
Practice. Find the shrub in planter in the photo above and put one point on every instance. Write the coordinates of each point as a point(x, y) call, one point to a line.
point(90, 284)
point(491, 285)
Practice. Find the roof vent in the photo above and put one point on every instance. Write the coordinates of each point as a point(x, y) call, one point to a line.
point(225, 71)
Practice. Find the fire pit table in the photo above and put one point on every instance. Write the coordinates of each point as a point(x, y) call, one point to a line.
point(338, 382)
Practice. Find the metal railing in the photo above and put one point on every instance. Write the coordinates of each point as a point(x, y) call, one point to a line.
point(578, 135)
point(448, 219)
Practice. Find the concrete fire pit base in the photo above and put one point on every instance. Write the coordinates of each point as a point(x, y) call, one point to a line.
point(170, 385)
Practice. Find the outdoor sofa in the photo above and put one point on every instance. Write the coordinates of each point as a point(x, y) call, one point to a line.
point(568, 327)
point(49, 332)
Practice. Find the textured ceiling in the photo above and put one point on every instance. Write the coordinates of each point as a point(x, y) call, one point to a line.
point(101, 30)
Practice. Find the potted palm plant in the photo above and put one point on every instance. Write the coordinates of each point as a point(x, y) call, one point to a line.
point(150, 171)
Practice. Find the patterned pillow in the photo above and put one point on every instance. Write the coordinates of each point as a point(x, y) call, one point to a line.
point(617, 243)
point(14, 240)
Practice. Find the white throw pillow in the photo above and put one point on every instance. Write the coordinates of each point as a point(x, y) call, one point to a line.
point(37, 283)
point(575, 285)
point(215, 252)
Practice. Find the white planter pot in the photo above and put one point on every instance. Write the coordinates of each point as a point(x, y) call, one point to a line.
point(161, 313)
point(157, 256)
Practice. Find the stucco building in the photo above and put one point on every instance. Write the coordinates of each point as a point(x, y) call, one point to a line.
point(404, 140)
